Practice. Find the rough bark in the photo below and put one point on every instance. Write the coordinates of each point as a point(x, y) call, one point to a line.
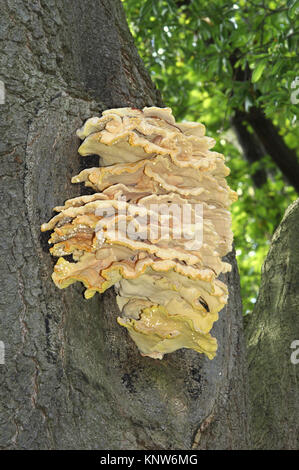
point(72, 378)
point(271, 330)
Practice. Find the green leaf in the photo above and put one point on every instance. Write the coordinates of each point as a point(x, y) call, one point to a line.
point(293, 7)
point(146, 9)
point(258, 71)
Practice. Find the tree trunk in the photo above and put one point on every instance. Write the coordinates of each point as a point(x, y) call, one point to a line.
point(272, 332)
point(72, 378)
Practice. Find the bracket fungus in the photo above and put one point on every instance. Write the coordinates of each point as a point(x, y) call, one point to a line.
point(156, 227)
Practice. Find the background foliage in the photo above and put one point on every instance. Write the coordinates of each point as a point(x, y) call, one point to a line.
point(210, 59)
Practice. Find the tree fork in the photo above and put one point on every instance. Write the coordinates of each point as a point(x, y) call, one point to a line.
point(72, 378)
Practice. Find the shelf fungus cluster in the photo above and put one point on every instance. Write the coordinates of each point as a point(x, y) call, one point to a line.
point(156, 227)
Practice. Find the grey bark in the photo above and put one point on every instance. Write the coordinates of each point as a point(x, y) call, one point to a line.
point(72, 378)
point(271, 330)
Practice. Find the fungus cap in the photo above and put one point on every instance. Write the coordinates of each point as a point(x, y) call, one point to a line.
point(166, 281)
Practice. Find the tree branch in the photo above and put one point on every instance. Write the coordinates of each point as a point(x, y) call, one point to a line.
point(252, 148)
point(285, 158)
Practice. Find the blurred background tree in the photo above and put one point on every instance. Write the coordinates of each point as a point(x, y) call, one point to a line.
point(233, 65)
